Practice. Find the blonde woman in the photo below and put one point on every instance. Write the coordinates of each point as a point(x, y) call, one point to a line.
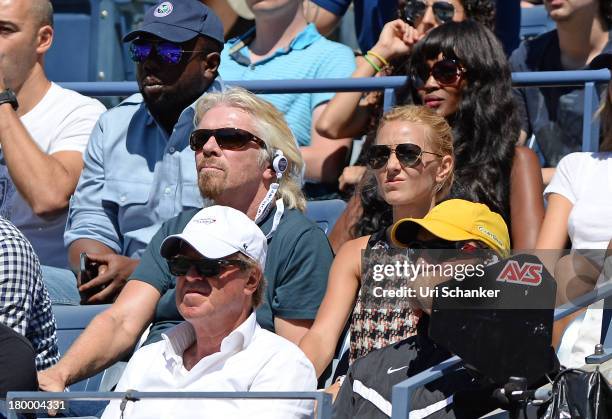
point(412, 160)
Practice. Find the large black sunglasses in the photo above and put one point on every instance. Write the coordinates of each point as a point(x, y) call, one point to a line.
point(440, 250)
point(226, 138)
point(408, 154)
point(415, 10)
point(168, 52)
point(447, 72)
point(180, 265)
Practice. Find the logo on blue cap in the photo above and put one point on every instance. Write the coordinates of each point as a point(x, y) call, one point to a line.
point(163, 9)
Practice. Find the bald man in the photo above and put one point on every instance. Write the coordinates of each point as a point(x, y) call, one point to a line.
point(44, 130)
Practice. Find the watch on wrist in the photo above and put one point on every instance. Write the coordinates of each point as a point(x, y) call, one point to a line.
point(8, 96)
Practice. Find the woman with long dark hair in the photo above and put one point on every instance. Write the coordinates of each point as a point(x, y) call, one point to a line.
point(460, 71)
point(353, 114)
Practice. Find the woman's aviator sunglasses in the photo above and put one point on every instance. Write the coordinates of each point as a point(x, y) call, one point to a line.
point(226, 138)
point(408, 154)
point(168, 52)
point(179, 265)
point(416, 9)
point(447, 72)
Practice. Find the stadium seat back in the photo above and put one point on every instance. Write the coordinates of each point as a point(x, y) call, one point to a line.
point(71, 321)
point(69, 56)
point(87, 42)
point(325, 213)
point(535, 21)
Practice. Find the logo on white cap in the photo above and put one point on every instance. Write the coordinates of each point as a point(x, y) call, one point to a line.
point(163, 9)
point(205, 220)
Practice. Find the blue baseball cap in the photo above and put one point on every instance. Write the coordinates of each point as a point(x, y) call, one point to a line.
point(179, 21)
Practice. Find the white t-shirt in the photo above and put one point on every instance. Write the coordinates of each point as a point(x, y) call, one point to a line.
point(585, 179)
point(250, 359)
point(61, 121)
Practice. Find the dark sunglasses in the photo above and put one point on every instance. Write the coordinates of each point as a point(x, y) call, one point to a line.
point(447, 72)
point(168, 52)
point(227, 138)
point(179, 265)
point(415, 10)
point(439, 250)
point(441, 244)
point(408, 154)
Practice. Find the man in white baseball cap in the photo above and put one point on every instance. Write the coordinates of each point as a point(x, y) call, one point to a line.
point(218, 262)
point(216, 232)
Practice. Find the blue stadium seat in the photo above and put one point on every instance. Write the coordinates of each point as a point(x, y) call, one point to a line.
point(534, 21)
point(71, 321)
point(325, 213)
point(68, 59)
point(87, 43)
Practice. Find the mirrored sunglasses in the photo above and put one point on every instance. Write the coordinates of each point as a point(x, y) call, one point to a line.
point(168, 52)
point(226, 138)
point(416, 9)
point(408, 154)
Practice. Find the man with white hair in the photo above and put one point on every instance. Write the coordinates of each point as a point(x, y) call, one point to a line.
point(218, 262)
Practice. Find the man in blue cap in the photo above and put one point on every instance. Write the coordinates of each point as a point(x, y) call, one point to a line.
point(139, 170)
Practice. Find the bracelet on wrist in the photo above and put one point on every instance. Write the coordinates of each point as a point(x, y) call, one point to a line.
point(379, 57)
point(377, 68)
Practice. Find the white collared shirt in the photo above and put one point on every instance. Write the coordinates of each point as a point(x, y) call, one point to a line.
point(250, 359)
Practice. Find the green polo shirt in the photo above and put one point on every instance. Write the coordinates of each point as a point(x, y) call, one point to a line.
point(298, 261)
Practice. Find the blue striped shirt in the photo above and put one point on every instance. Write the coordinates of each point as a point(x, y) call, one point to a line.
point(309, 56)
point(135, 177)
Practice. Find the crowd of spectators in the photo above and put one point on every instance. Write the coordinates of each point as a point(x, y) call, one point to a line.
point(188, 198)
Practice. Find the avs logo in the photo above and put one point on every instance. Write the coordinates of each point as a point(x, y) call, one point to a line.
point(163, 9)
point(525, 274)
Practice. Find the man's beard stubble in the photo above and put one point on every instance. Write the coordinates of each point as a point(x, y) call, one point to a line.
point(211, 183)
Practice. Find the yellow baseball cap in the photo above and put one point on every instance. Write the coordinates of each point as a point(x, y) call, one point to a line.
point(457, 220)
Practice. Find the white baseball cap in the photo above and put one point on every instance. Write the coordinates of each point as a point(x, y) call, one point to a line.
point(216, 232)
